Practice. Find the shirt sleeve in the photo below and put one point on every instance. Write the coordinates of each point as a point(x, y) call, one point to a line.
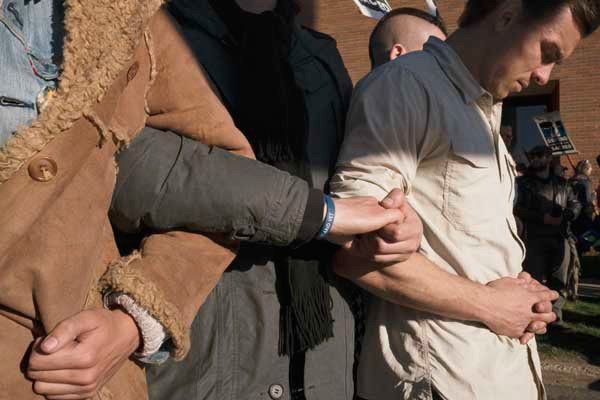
point(386, 135)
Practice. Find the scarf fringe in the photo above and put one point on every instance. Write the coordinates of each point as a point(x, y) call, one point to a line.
point(307, 322)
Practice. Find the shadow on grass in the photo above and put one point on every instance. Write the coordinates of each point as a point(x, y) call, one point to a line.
point(580, 334)
point(575, 317)
point(585, 345)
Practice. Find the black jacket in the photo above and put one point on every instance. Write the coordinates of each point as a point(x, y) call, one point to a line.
point(538, 197)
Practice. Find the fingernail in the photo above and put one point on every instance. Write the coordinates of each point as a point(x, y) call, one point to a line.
point(50, 343)
point(388, 201)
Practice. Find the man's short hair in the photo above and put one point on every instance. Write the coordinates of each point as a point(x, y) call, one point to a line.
point(415, 12)
point(586, 13)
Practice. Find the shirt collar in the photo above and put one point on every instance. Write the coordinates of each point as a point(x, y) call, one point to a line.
point(456, 71)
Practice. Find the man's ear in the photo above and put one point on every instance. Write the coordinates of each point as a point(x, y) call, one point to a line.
point(397, 51)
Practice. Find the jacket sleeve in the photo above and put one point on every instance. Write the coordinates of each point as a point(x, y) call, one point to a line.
point(587, 208)
point(170, 278)
point(573, 208)
point(169, 182)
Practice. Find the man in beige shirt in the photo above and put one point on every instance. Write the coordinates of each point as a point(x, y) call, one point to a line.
point(448, 321)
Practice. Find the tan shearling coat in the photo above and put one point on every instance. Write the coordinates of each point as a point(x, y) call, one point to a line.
point(125, 65)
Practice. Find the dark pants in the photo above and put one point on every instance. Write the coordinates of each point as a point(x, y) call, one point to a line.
point(547, 261)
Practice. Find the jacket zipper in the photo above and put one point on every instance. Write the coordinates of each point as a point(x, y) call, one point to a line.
point(10, 102)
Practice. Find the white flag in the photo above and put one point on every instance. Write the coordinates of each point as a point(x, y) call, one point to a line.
point(431, 7)
point(373, 8)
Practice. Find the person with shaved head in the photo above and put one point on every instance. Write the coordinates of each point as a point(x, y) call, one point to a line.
point(402, 31)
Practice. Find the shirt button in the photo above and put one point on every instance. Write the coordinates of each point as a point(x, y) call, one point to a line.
point(42, 169)
point(133, 70)
point(275, 391)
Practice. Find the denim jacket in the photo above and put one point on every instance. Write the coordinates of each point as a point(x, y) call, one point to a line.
point(31, 36)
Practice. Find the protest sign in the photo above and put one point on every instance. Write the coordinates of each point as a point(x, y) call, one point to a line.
point(373, 8)
point(554, 133)
point(378, 8)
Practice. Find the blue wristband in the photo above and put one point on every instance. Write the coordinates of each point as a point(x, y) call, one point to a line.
point(329, 217)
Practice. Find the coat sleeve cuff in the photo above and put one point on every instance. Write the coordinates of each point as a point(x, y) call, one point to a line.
point(123, 276)
point(312, 219)
point(152, 331)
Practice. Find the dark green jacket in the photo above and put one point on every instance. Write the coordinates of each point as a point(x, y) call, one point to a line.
point(235, 336)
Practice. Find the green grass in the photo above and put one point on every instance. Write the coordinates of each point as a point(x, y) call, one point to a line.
point(579, 337)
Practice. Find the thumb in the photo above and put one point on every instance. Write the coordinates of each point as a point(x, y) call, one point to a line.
point(66, 332)
point(394, 199)
point(525, 276)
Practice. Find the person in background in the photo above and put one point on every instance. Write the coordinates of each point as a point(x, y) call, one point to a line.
point(582, 187)
point(402, 31)
point(560, 170)
point(547, 206)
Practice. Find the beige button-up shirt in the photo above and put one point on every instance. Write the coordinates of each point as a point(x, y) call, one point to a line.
point(422, 123)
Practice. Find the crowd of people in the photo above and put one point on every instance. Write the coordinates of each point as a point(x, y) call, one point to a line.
point(557, 216)
point(197, 204)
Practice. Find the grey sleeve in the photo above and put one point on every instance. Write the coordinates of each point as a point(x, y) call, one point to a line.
point(167, 182)
point(573, 208)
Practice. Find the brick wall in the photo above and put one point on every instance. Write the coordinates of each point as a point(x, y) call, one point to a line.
point(579, 76)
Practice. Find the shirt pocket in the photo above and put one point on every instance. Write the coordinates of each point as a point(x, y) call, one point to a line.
point(471, 185)
point(43, 68)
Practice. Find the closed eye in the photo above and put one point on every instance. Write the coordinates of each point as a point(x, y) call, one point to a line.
point(551, 53)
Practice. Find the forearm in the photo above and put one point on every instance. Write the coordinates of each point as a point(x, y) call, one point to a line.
point(170, 182)
point(419, 284)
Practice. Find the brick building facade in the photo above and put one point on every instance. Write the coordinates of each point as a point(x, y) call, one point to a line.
point(574, 90)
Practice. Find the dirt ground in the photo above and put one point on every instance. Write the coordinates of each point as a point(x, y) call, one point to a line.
point(571, 379)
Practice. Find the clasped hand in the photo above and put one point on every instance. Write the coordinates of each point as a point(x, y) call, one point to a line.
point(81, 354)
point(385, 232)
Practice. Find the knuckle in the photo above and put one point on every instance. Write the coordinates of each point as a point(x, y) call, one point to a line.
point(415, 245)
point(402, 258)
point(32, 365)
point(38, 388)
point(380, 246)
point(88, 359)
point(397, 235)
point(88, 379)
point(91, 389)
point(31, 374)
point(65, 327)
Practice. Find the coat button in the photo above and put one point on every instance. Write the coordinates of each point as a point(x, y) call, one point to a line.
point(42, 169)
point(275, 391)
point(133, 70)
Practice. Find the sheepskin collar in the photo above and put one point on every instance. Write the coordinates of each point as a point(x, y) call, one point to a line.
point(101, 36)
